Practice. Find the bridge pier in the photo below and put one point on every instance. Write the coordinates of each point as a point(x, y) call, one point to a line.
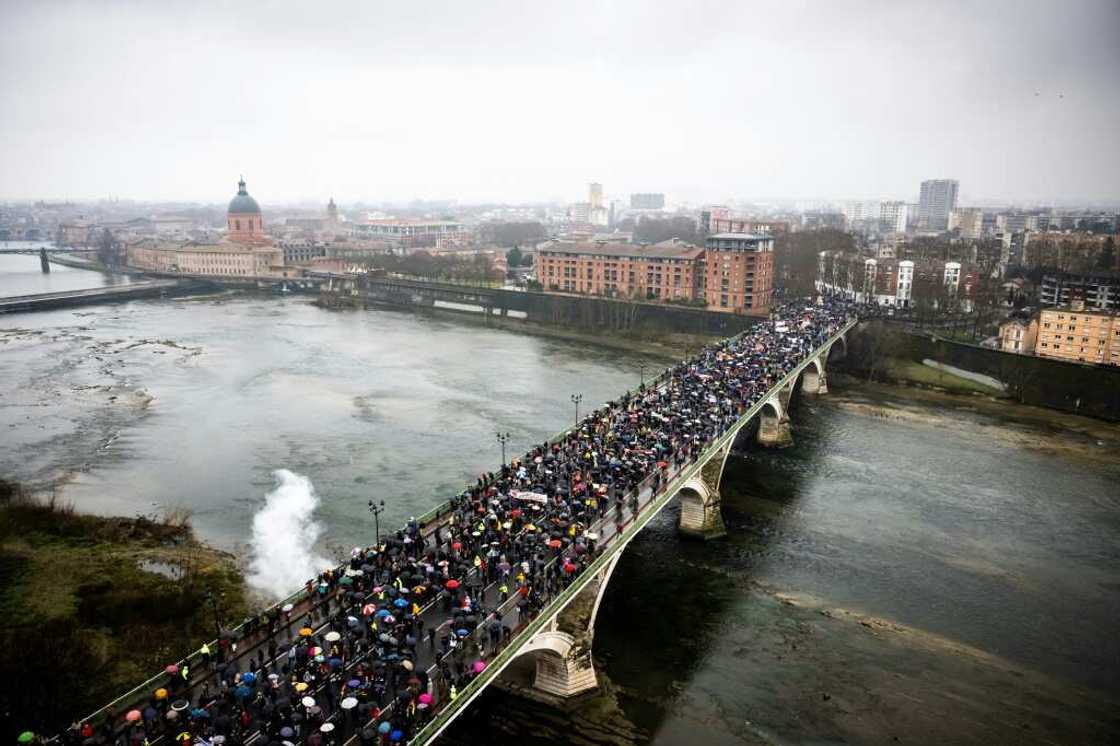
point(774, 430)
point(562, 650)
point(44, 263)
point(700, 500)
point(813, 380)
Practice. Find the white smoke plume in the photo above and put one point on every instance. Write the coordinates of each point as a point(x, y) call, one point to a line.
point(284, 536)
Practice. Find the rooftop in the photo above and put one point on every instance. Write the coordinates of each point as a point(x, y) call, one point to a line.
point(664, 250)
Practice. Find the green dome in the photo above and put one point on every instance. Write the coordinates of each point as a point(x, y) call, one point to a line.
point(243, 203)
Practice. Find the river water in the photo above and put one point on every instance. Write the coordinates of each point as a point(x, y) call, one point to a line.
point(914, 576)
point(21, 274)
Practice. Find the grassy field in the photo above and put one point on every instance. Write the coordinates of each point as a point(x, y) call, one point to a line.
point(92, 606)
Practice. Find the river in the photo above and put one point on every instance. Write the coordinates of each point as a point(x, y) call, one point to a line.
point(21, 274)
point(915, 576)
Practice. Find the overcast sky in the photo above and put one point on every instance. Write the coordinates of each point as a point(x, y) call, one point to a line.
point(529, 101)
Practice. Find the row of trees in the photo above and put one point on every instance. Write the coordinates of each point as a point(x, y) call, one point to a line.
point(655, 230)
point(512, 234)
point(478, 268)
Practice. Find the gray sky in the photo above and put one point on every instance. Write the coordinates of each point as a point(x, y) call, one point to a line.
point(528, 101)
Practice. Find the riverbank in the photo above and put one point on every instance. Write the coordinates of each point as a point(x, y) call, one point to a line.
point(975, 414)
point(91, 606)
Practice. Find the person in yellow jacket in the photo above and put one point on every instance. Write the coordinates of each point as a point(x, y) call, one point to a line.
point(454, 693)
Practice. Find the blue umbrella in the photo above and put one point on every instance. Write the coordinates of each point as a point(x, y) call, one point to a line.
point(248, 677)
point(354, 683)
point(384, 727)
point(287, 732)
point(462, 632)
point(396, 735)
point(242, 692)
point(400, 603)
point(335, 662)
point(382, 613)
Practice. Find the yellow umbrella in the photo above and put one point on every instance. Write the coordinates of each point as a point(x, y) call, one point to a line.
point(161, 693)
point(306, 632)
point(301, 687)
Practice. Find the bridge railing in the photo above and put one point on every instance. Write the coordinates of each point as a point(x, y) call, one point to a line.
point(616, 544)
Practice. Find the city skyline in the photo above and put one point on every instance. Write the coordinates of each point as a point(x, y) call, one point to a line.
point(500, 104)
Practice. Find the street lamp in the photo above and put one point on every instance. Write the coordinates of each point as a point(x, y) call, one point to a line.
point(576, 399)
point(377, 510)
point(642, 374)
point(214, 608)
point(502, 438)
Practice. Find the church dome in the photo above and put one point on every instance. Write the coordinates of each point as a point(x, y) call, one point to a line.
point(243, 204)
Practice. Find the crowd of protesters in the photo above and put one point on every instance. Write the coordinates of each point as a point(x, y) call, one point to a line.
point(404, 626)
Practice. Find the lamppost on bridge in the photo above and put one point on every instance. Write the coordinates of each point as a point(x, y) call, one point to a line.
point(214, 608)
point(576, 399)
point(377, 510)
point(642, 374)
point(502, 438)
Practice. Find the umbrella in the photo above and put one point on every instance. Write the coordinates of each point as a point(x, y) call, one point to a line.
point(332, 636)
point(306, 632)
point(452, 584)
point(354, 683)
point(133, 716)
point(383, 613)
point(326, 727)
point(301, 686)
point(171, 669)
point(308, 702)
point(407, 665)
point(248, 677)
point(352, 621)
point(345, 580)
point(555, 543)
point(180, 704)
point(389, 619)
point(349, 703)
point(384, 727)
point(421, 706)
point(286, 608)
point(456, 545)
point(425, 699)
point(161, 693)
point(400, 603)
point(26, 737)
point(479, 666)
point(369, 609)
point(242, 692)
point(462, 632)
point(286, 732)
point(396, 735)
point(172, 715)
point(315, 651)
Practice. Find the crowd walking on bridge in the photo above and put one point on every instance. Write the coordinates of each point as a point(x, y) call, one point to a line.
point(380, 645)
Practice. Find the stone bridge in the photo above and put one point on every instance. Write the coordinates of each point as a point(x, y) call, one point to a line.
point(560, 638)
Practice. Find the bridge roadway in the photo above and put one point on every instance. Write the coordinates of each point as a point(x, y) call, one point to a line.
point(108, 294)
point(308, 610)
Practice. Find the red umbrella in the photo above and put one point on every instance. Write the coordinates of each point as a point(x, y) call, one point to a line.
point(369, 609)
point(452, 584)
point(555, 543)
point(457, 546)
point(132, 716)
point(172, 669)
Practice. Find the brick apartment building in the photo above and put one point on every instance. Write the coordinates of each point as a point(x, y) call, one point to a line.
point(733, 273)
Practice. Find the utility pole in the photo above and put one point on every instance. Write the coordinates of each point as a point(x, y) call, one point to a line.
point(502, 438)
point(642, 374)
point(576, 399)
point(377, 510)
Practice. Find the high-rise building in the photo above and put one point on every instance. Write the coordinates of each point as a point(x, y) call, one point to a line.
point(599, 213)
point(647, 201)
point(893, 216)
point(938, 198)
point(967, 221)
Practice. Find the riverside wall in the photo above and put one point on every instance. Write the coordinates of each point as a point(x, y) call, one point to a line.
point(1091, 390)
